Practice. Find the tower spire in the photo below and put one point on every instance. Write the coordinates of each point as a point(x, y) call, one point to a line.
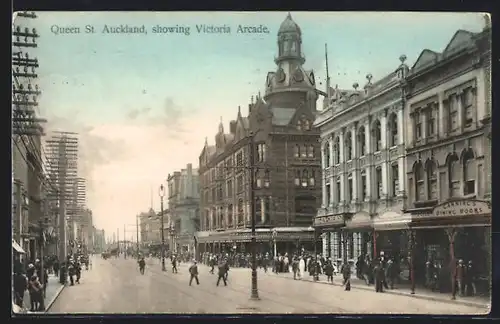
point(327, 75)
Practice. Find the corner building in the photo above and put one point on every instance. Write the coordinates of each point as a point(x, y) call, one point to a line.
point(362, 156)
point(449, 156)
point(286, 163)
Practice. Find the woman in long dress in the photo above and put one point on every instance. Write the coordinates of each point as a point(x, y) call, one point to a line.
point(302, 267)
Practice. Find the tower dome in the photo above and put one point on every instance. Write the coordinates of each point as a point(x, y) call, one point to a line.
point(289, 26)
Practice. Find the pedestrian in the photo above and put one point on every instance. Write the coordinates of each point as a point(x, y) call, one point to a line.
point(193, 272)
point(211, 262)
point(329, 271)
point(56, 266)
point(302, 267)
point(470, 280)
point(295, 268)
point(71, 272)
point(378, 273)
point(346, 273)
point(35, 290)
point(20, 286)
point(222, 273)
point(142, 265)
point(174, 264)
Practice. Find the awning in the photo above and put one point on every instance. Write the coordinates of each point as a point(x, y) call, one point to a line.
point(17, 247)
point(390, 220)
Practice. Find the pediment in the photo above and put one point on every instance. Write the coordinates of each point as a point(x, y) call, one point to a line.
point(426, 58)
point(460, 40)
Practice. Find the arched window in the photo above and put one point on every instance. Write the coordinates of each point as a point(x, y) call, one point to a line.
point(241, 214)
point(469, 174)
point(432, 180)
point(363, 191)
point(299, 125)
point(454, 171)
point(377, 136)
point(348, 146)
point(312, 180)
point(310, 151)
point(350, 188)
point(296, 150)
point(393, 129)
point(326, 154)
point(303, 151)
point(307, 125)
point(336, 151)
point(305, 178)
point(362, 141)
point(419, 182)
point(378, 182)
point(222, 222)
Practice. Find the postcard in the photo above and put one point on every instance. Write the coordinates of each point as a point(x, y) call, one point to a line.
point(251, 163)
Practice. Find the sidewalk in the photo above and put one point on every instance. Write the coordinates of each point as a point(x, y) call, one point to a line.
point(54, 288)
point(356, 283)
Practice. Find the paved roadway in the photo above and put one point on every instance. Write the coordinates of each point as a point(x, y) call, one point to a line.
point(116, 286)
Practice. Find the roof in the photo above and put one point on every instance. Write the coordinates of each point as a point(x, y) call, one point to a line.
point(289, 26)
point(282, 116)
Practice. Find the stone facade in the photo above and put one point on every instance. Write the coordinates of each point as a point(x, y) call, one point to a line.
point(286, 151)
point(184, 207)
point(362, 157)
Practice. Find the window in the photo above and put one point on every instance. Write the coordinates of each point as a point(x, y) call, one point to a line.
point(393, 128)
point(230, 215)
point(240, 211)
point(214, 194)
point(454, 176)
point(230, 188)
point(377, 136)
point(326, 154)
point(338, 190)
point(261, 152)
point(350, 188)
point(453, 113)
point(303, 151)
point(336, 151)
point(363, 185)
point(312, 180)
point(239, 159)
point(469, 178)
point(328, 193)
point(296, 150)
point(378, 178)
point(222, 222)
point(362, 141)
point(299, 125)
point(419, 182)
point(258, 180)
point(348, 146)
point(297, 178)
point(395, 179)
point(468, 106)
point(220, 192)
point(310, 151)
point(267, 179)
point(432, 121)
point(239, 183)
point(258, 211)
point(305, 178)
point(267, 209)
point(432, 180)
point(418, 125)
point(307, 125)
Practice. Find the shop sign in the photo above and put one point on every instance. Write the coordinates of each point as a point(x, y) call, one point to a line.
point(329, 220)
point(462, 208)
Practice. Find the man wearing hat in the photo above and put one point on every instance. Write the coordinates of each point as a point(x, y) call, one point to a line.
point(193, 272)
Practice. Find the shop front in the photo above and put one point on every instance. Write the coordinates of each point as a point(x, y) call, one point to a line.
point(459, 229)
point(330, 227)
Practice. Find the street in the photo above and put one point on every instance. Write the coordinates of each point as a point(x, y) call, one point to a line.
point(116, 286)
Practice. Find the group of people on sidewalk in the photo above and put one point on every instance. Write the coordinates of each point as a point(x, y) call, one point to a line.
point(32, 279)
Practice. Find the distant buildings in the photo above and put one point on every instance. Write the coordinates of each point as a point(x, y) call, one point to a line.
point(184, 208)
point(286, 161)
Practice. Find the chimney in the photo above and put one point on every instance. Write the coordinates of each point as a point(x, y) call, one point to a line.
point(249, 108)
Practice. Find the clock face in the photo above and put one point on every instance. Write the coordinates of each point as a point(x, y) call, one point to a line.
point(280, 75)
point(298, 76)
point(311, 78)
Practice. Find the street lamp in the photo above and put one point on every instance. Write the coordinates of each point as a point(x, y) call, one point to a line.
point(254, 292)
point(162, 194)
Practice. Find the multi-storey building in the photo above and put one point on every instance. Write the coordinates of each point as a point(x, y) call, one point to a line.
point(362, 150)
point(184, 207)
point(29, 182)
point(285, 162)
point(448, 138)
point(150, 229)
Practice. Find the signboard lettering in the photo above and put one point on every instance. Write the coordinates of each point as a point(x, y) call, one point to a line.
point(462, 208)
point(331, 219)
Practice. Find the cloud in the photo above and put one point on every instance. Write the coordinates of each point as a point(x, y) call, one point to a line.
point(136, 113)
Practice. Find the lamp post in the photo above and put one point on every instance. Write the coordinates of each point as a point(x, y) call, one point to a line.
point(162, 194)
point(254, 292)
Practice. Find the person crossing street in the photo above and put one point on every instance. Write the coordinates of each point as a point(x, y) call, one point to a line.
point(142, 265)
point(222, 272)
point(193, 272)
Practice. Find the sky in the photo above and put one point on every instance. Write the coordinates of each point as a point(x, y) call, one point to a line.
point(143, 104)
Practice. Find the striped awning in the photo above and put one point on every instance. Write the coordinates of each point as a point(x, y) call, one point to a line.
point(17, 247)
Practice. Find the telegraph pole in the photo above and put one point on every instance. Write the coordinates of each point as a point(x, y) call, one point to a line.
point(124, 243)
point(118, 240)
point(137, 233)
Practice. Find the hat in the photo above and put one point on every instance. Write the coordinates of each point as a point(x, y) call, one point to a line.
point(31, 266)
